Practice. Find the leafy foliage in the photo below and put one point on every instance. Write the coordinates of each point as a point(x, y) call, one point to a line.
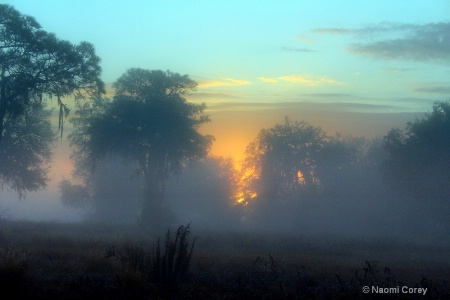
point(34, 63)
point(345, 160)
point(284, 158)
point(25, 150)
point(149, 122)
point(418, 158)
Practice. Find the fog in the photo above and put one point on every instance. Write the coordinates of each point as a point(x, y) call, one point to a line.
point(356, 201)
point(351, 201)
point(43, 206)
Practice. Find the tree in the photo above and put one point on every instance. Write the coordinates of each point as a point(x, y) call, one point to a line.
point(109, 194)
point(418, 159)
point(346, 160)
point(150, 122)
point(282, 159)
point(34, 63)
point(204, 192)
point(26, 150)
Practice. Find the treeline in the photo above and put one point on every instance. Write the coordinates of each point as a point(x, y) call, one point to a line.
point(140, 156)
point(392, 184)
point(297, 178)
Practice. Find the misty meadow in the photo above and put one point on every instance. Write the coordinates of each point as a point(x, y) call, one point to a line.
point(306, 213)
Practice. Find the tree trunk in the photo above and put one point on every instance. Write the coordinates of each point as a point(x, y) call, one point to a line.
point(155, 212)
point(2, 102)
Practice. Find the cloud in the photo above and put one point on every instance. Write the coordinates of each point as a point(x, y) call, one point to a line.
point(266, 79)
point(429, 42)
point(434, 90)
point(397, 41)
point(305, 105)
point(293, 49)
point(333, 30)
point(305, 39)
point(309, 80)
point(213, 95)
point(399, 70)
point(223, 82)
point(329, 95)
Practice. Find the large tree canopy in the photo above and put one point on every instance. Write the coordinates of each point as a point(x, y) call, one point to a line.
point(34, 63)
point(282, 159)
point(148, 121)
point(418, 159)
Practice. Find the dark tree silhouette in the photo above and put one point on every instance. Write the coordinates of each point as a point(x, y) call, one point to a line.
point(283, 159)
point(26, 150)
point(204, 192)
point(418, 159)
point(344, 160)
point(150, 122)
point(108, 194)
point(34, 64)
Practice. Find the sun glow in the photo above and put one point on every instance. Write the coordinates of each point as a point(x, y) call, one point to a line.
point(245, 191)
point(300, 178)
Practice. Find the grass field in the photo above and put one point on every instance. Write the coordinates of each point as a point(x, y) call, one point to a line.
point(80, 261)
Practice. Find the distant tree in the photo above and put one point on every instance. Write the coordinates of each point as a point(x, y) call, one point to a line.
point(282, 159)
point(74, 195)
point(34, 63)
point(111, 193)
point(149, 122)
point(418, 159)
point(26, 150)
point(344, 160)
point(204, 193)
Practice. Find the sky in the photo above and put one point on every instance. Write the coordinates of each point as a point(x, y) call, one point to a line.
point(354, 67)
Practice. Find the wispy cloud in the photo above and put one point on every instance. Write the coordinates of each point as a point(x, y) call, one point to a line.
point(305, 39)
point(222, 82)
point(429, 42)
point(333, 30)
point(203, 95)
point(309, 105)
point(398, 70)
point(294, 49)
point(434, 90)
point(329, 95)
point(269, 80)
point(397, 41)
point(309, 80)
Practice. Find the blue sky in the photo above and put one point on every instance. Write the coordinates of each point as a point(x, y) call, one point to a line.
point(265, 51)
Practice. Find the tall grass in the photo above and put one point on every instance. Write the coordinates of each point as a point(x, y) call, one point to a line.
point(163, 267)
point(171, 265)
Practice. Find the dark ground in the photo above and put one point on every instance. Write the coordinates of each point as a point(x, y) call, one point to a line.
point(73, 261)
